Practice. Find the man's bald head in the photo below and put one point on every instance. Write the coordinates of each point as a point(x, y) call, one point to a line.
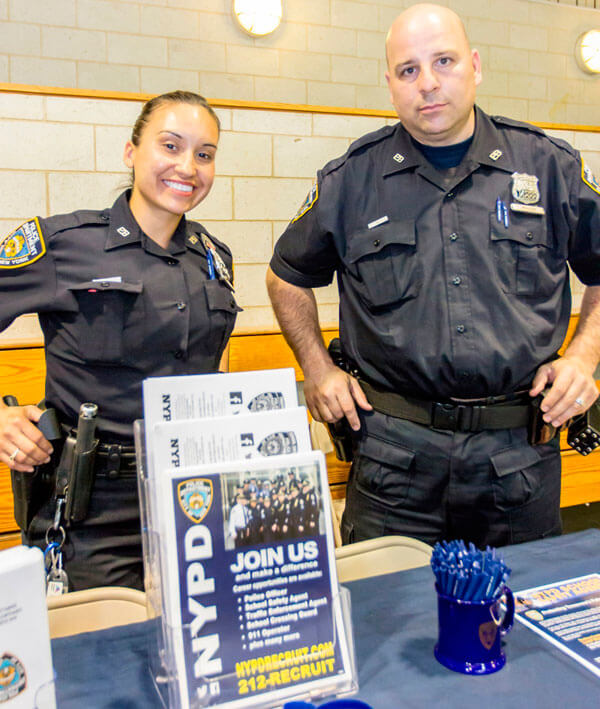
point(417, 16)
point(432, 74)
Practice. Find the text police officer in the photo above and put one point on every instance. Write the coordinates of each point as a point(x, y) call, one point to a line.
point(450, 235)
point(122, 294)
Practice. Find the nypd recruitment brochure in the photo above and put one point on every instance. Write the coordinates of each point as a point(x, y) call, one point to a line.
point(180, 444)
point(204, 395)
point(254, 617)
point(26, 674)
point(567, 614)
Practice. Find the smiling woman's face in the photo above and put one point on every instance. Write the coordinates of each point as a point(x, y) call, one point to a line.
point(174, 161)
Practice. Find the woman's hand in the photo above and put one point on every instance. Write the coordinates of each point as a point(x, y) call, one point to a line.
point(22, 445)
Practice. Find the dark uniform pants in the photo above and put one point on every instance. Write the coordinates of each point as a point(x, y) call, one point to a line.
point(489, 487)
point(106, 548)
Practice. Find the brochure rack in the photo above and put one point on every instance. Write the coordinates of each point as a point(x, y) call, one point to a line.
point(162, 655)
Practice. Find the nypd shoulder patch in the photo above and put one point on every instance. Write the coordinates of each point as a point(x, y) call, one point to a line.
point(22, 246)
point(309, 202)
point(588, 177)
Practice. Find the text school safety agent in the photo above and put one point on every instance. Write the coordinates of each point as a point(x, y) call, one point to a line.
point(450, 234)
point(122, 294)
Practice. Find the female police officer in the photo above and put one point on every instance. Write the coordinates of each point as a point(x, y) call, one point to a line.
point(122, 294)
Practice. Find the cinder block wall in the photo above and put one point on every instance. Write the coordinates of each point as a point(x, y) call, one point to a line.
point(327, 52)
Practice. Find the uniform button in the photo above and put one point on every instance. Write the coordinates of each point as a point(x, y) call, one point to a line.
point(171, 262)
point(460, 329)
point(104, 217)
point(456, 280)
point(181, 306)
point(529, 235)
point(453, 236)
point(376, 242)
point(450, 195)
point(105, 284)
point(178, 354)
point(232, 303)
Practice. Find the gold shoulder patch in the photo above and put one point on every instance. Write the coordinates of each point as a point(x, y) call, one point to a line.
point(22, 246)
point(308, 203)
point(588, 177)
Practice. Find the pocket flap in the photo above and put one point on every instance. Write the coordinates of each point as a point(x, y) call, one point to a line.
point(390, 454)
point(526, 230)
point(372, 241)
point(219, 297)
point(108, 285)
point(509, 460)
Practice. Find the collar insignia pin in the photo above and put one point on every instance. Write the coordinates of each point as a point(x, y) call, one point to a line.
point(193, 239)
point(123, 231)
point(495, 154)
point(525, 188)
point(399, 158)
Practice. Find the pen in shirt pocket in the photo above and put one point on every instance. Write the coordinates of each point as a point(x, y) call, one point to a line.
point(211, 264)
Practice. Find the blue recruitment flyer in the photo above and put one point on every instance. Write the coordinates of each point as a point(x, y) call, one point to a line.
point(251, 596)
point(567, 614)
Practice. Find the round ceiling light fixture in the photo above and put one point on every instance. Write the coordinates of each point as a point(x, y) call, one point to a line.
point(258, 17)
point(587, 51)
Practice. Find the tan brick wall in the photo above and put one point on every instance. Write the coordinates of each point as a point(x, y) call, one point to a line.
point(326, 52)
point(58, 154)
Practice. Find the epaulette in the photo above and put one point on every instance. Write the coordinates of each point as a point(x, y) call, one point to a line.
point(365, 140)
point(558, 142)
point(74, 220)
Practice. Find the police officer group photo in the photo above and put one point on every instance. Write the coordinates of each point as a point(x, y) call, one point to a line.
point(451, 233)
point(272, 508)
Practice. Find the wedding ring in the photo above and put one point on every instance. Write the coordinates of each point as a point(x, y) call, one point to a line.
point(579, 401)
point(14, 454)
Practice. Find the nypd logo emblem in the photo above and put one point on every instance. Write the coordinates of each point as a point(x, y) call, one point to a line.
point(23, 246)
point(308, 203)
point(195, 497)
point(525, 188)
point(13, 679)
point(589, 178)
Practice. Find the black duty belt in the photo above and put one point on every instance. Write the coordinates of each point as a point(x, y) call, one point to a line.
point(463, 415)
point(115, 460)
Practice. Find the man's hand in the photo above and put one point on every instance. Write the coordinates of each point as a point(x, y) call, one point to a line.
point(19, 435)
point(332, 394)
point(572, 389)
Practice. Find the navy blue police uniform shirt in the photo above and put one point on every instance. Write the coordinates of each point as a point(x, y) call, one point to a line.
point(115, 307)
point(442, 292)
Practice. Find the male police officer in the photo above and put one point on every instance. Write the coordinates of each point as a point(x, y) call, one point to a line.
point(450, 235)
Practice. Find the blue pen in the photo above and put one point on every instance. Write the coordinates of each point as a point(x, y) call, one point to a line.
point(505, 215)
point(499, 210)
point(211, 265)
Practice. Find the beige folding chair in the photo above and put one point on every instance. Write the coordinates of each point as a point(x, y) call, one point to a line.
point(383, 555)
point(95, 609)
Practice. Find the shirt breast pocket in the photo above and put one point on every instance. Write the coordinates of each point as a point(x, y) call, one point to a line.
point(384, 263)
point(110, 320)
point(222, 312)
point(525, 263)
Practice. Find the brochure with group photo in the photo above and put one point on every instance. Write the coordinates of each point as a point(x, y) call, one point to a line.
point(567, 614)
point(251, 593)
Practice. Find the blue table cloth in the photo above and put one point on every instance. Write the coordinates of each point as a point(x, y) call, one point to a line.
point(395, 629)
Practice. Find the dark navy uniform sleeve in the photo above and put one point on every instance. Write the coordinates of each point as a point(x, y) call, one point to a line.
point(305, 254)
point(28, 282)
point(584, 250)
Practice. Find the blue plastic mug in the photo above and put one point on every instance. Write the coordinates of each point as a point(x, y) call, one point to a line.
point(471, 632)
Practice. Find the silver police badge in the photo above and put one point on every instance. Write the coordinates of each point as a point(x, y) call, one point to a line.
point(525, 188)
point(195, 497)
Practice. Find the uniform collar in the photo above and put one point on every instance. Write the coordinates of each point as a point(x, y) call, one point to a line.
point(488, 148)
point(123, 230)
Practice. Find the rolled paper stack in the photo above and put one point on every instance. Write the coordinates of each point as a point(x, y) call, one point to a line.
point(467, 573)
